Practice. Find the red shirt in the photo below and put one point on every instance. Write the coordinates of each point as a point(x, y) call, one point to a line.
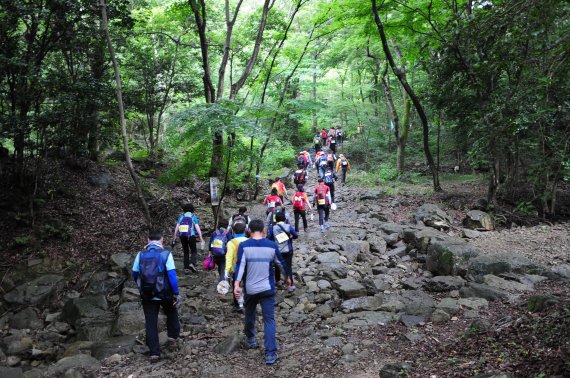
point(270, 201)
point(323, 190)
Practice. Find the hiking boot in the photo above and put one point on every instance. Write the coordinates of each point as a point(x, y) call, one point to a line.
point(170, 342)
point(251, 343)
point(291, 288)
point(271, 359)
point(154, 359)
point(193, 268)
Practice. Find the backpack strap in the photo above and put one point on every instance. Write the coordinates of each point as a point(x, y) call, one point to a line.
point(282, 229)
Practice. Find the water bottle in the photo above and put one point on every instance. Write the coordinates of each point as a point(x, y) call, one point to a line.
point(240, 299)
point(312, 217)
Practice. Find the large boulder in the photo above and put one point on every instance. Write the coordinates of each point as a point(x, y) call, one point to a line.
point(362, 304)
point(377, 243)
point(36, 292)
point(130, 320)
point(26, 319)
point(78, 363)
point(487, 292)
point(478, 220)
point(90, 316)
point(349, 288)
point(417, 302)
point(121, 262)
point(503, 284)
point(116, 345)
point(333, 271)
point(352, 250)
point(431, 215)
point(450, 256)
point(421, 238)
point(502, 263)
point(328, 258)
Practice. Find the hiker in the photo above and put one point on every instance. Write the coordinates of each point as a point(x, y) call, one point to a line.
point(324, 134)
point(300, 176)
point(256, 257)
point(284, 235)
point(300, 205)
point(187, 228)
point(240, 217)
point(323, 164)
point(218, 245)
point(339, 136)
point(231, 258)
point(271, 200)
point(331, 159)
point(317, 142)
point(281, 189)
point(301, 159)
point(308, 160)
point(322, 199)
point(271, 219)
point(155, 275)
point(332, 144)
point(343, 164)
point(329, 179)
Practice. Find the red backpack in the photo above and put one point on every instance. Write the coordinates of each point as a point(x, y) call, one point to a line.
point(299, 201)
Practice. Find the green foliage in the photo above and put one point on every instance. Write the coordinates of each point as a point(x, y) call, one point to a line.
point(22, 241)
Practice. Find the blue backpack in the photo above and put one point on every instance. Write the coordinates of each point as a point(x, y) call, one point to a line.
point(219, 241)
point(323, 161)
point(328, 178)
point(153, 278)
point(185, 226)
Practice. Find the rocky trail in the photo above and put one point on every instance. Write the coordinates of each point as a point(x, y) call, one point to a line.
point(374, 297)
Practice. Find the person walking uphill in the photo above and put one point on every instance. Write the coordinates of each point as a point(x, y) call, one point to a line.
point(300, 205)
point(155, 275)
point(231, 257)
point(256, 257)
point(218, 247)
point(322, 198)
point(284, 234)
point(187, 229)
point(343, 164)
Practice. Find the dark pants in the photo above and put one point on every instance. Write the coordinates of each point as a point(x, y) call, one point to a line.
point(151, 309)
point(220, 262)
point(288, 257)
point(267, 301)
point(302, 214)
point(339, 140)
point(317, 147)
point(331, 187)
point(343, 174)
point(333, 147)
point(324, 211)
point(190, 251)
point(232, 281)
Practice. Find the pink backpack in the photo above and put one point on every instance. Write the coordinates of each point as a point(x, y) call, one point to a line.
point(209, 263)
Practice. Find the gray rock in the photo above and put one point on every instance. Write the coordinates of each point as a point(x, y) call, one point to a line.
point(392, 228)
point(470, 234)
point(348, 348)
point(333, 271)
point(439, 316)
point(413, 283)
point(36, 292)
point(501, 283)
point(362, 304)
point(79, 362)
point(449, 305)
point(392, 305)
point(444, 283)
point(121, 261)
point(450, 257)
point(377, 243)
point(26, 319)
point(502, 263)
point(352, 249)
point(368, 318)
point(417, 302)
point(372, 195)
point(560, 271)
point(229, 345)
point(349, 288)
point(323, 311)
point(412, 320)
point(473, 303)
point(478, 220)
point(324, 284)
point(116, 345)
point(90, 316)
point(538, 303)
point(395, 370)
point(432, 216)
point(421, 238)
point(130, 319)
point(398, 251)
point(8, 372)
point(414, 336)
point(328, 258)
point(485, 291)
point(391, 239)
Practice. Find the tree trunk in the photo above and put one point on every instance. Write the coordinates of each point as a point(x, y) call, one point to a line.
point(119, 93)
point(415, 100)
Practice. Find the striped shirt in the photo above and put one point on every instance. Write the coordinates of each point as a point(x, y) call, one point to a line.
point(255, 265)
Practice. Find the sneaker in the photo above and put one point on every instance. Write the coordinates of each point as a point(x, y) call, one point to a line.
point(327, 225)
point(291, 288)
point(186, 271)
point(251, 343)
point(271, 359)
point(322, 228)
point(171, 341)
point(154, 359)
point(193, 268)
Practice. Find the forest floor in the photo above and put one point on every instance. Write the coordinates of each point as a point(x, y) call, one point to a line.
point(95, 215)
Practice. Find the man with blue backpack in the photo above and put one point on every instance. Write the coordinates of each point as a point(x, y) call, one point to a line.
point(218, 247)
point(322, 165)
point(187, 229)
point(329, 179)
point(155, 275)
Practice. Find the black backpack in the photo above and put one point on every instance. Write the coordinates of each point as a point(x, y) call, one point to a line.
point(299, 177)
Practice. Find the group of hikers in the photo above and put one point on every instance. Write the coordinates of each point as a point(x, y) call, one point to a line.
point(254, 253)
